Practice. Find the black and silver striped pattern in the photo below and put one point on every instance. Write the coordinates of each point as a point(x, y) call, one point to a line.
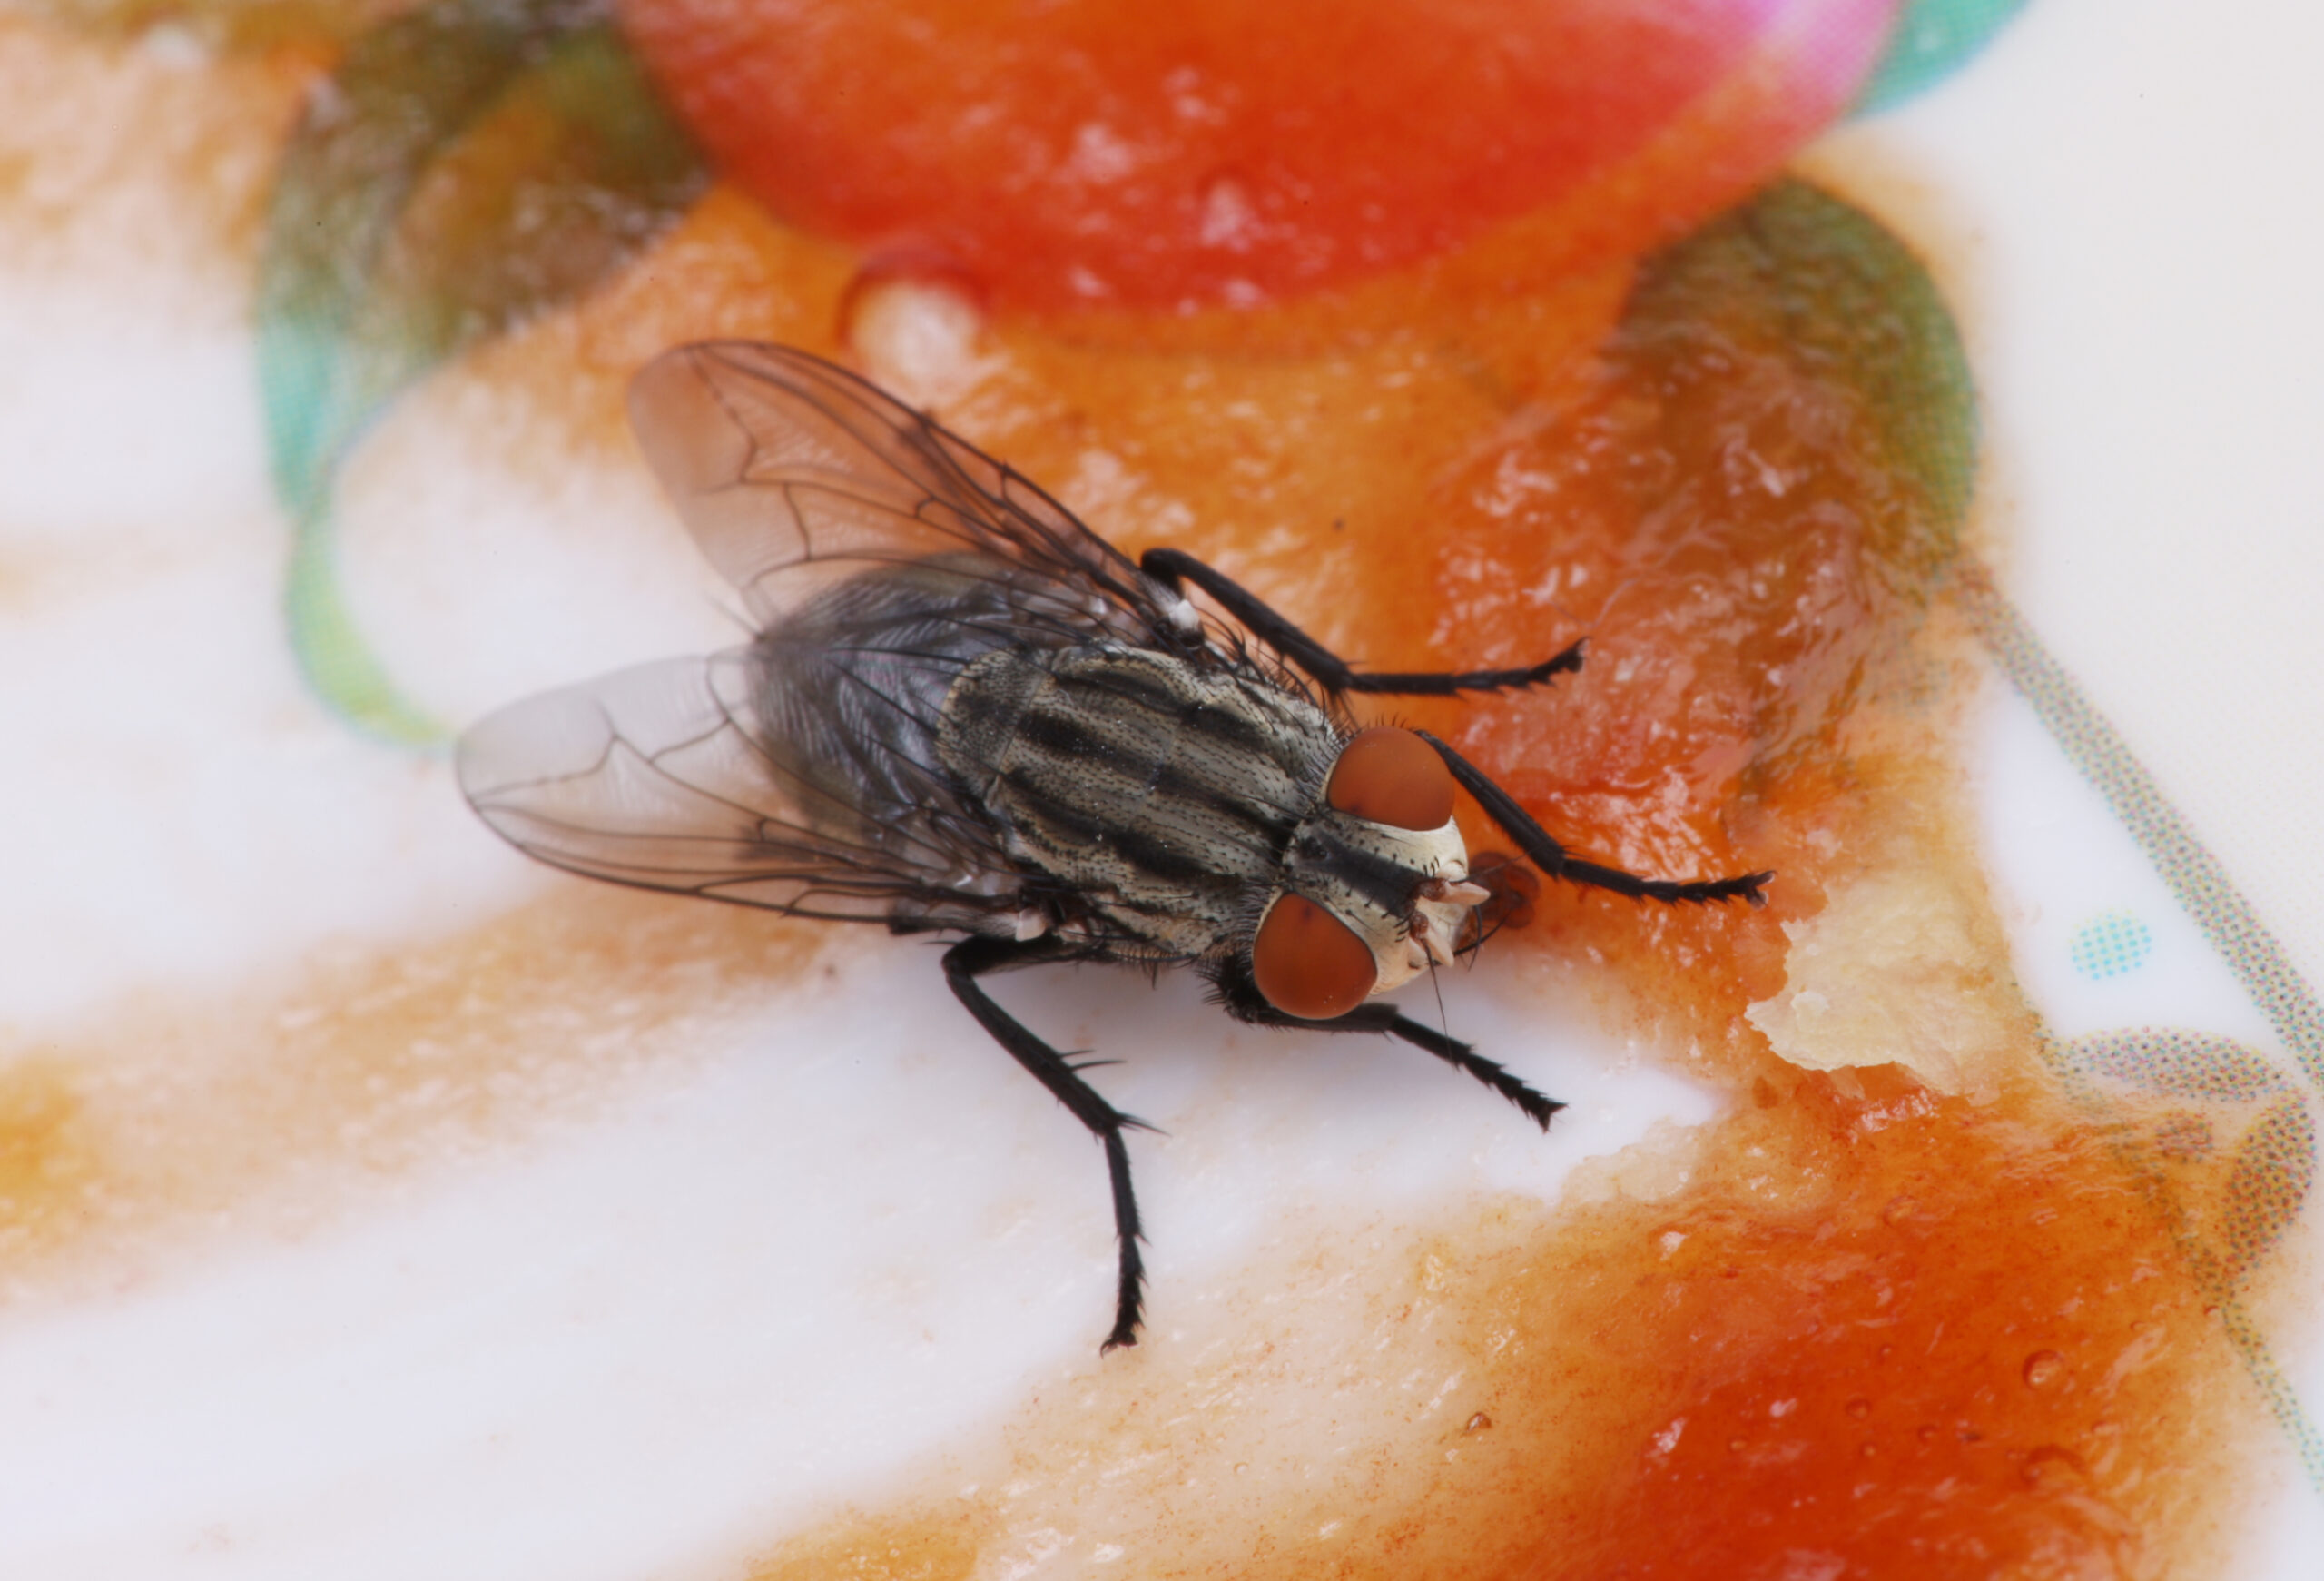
point(1167, 796)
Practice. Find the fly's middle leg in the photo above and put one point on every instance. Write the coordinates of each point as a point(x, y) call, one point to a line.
point(1333, 673)
point(973, 958)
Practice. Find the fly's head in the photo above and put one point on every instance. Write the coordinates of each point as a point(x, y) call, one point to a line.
point(1376, 884)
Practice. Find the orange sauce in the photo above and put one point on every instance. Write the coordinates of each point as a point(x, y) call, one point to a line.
point(1972, 1350)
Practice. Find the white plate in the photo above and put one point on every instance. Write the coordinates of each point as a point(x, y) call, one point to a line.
point(629, 1337)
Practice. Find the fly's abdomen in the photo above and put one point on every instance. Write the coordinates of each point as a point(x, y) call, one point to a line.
point(852, 688)
point(1161, 795)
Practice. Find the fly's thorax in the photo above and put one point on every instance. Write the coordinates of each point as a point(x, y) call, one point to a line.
point(1157, 794)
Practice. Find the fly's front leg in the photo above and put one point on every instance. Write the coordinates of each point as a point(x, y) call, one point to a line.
point(971, 958)
point(1243, 1002)
point(1549, 856)
point(1332, 672)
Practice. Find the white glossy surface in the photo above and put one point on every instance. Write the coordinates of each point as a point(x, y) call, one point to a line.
point(847, 1236)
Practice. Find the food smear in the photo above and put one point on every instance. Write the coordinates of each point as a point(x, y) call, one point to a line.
point(1967, 1351)
point(1885, 1336)
point(1910, 1312)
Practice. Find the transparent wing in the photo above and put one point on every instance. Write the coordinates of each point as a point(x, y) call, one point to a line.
point(663, 778)
point(793, 473)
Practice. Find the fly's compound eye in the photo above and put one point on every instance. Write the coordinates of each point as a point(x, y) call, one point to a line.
point(1388, 775)
point(1309, 963)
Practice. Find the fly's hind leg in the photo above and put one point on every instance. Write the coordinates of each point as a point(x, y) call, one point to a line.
point(1243, 1001)
point(971, 959)
point(1550, 857)
point(1333, 674)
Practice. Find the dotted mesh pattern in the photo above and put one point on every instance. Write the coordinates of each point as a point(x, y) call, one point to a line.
point(2110, 944)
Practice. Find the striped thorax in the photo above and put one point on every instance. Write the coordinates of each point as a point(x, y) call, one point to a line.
point(1183, 805)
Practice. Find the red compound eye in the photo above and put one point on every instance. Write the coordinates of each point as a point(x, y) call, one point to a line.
point(1309, 963)
point(1392, 776)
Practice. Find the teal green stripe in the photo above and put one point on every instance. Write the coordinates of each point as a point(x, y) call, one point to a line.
point(1932, 39)
point(354, 303)
point(332, 654)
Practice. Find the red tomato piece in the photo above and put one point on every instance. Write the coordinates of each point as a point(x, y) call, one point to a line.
point(1122, 153)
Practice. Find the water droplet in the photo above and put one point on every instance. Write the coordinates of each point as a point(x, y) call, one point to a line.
point(1479, 1423)
point(2043, 1369)
point(914, 325)
point(2049, 1460)
point(1926, 1435)
point(1859, 1407)
point(1864, 1451)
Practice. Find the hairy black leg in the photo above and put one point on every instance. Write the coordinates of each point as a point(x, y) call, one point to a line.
point(971, 958)
point(1549, 856)
point(1243, 1000)
point(1331, 671)
point(1538, 1108)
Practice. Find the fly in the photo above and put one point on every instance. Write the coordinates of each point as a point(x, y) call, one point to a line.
point(965, 712)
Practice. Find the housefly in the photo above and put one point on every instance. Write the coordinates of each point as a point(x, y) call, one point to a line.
point(965, 712)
